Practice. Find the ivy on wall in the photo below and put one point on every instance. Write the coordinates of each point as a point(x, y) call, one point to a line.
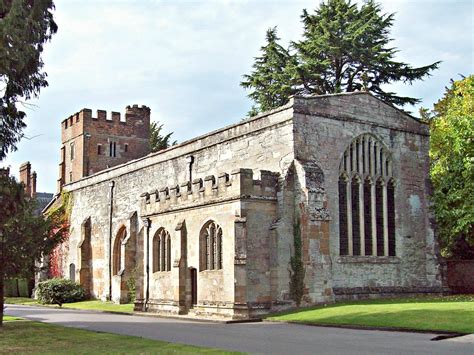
point(60, 215)
point(297, 268)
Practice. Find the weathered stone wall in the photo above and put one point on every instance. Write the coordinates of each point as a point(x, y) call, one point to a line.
point(461, 275)
point(243, 145)
point(302, 144)
point(324, 128)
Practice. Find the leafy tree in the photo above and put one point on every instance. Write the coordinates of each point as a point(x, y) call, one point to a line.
point(271, 78)
point(157, 141)
point(25, 26)
point(452, 170)
point(24, 236)
point(344, 48)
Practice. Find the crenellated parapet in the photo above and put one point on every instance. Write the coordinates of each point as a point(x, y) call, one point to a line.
point(238, 185)
point(134, 115)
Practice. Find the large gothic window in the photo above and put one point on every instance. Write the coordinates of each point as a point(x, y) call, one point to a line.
point(210, 244)
point(161, 251)
point(366, 199)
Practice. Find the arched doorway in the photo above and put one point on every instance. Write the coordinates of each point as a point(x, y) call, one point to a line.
point(72, 272)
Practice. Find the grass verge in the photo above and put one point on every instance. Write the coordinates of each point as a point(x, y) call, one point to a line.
point(95, 305)
point(446, 313)
point(40, 338)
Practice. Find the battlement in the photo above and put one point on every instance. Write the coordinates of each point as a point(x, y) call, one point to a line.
point(132, 115)
point(239, 184)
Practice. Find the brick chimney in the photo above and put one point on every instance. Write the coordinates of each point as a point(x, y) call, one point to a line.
point(25, 177)
point(33, 184)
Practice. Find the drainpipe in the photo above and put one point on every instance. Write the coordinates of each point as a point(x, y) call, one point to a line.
point(147, 223)
point(190, 161)
point(111, 185)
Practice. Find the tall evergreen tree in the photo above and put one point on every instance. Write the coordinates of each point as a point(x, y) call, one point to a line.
point(344, 48)
point(271, 79)
point(157, 141)
point(25, 26)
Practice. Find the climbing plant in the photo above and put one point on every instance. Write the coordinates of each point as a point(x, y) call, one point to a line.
point(297, 268)
point(60, 215)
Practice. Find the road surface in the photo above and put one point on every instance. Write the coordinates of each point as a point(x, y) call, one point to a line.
point(263, 337)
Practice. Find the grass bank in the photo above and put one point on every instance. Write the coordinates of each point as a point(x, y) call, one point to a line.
point(444, 313)
point(95, 305)
point(39, 338)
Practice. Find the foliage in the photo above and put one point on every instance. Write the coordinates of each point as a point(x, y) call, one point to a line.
point(297, 267)
point(60, 215)
point(271, 76)
point(344, 49)
point(25, 26)
point(444, 313)
point(59, 291)
point(452, 170)
point(157, 141)
point(24, 236)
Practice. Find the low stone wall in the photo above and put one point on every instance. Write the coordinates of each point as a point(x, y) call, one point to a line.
point(461, 276)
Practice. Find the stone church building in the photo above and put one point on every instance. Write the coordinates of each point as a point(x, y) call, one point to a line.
point(209, 227)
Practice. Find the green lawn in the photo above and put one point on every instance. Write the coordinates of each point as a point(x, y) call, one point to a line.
point(449, 313)
point(95, 305)
point(10, 318)
point(41, 338)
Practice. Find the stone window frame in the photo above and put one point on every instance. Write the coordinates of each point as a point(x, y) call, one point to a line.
point(112, 149)
point(366, 172)
point(210, 246)
point(72, 151)
point(161, 253)
point(117, 258)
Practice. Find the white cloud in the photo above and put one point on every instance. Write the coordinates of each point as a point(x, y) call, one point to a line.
point(185, 59)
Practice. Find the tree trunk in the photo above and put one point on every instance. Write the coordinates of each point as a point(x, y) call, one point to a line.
point(1, 293)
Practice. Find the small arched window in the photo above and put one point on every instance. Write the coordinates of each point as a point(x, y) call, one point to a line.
point(161, 251)
point(210, 243)
point(366, 199)
point(117, 251)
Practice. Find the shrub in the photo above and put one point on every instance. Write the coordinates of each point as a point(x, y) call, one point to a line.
point(59, 291)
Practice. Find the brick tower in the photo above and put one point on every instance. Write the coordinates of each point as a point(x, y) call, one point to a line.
point(91, 144)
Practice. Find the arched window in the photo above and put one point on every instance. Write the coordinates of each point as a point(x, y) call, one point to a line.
point(366, 199)
point(161, 251)
point(117, 251)
point(210, 243)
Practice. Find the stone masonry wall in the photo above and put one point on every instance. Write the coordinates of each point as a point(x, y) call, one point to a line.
point(325, 126)
point(262, 143)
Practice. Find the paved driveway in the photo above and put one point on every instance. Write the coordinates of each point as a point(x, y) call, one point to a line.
point(264, 337)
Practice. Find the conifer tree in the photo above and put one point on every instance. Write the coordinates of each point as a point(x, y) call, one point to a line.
point(344, 48)
point(25, 26)
point(157, 141)
point(270, 81)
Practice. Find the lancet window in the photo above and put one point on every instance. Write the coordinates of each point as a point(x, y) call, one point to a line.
point(366, 199)
point(210, 243)
point(161, 251)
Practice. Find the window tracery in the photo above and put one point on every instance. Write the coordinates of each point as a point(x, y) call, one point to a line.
point(366, 199)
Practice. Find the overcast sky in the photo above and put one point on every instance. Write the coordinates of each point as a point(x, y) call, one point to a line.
point(185, 59)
